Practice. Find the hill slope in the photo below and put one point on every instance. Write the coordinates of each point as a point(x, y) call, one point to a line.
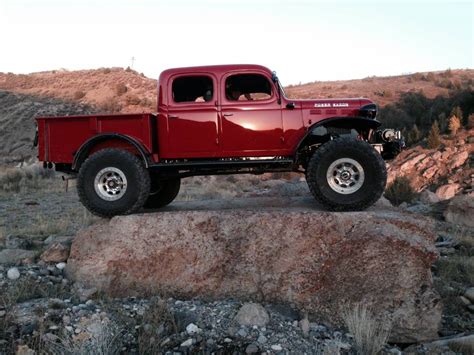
point(121, 90)
point(117, 89)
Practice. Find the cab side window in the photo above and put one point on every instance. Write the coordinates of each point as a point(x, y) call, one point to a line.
point(247, 87)
point(192, 89)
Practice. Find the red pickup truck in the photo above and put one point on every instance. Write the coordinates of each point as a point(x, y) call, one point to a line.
point(226, 119)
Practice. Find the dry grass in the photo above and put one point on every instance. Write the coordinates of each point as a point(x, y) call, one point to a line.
point(106, 341)
point(369, 334)
point(399, 191)
point(23, 179)
point(157, 323)
point(42, 225)
point(27, 288)
point(457, 268)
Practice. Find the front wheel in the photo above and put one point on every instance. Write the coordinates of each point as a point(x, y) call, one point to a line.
point(113, 182)
point(346, 174)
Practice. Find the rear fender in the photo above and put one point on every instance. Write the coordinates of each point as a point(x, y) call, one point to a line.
point(101, 141)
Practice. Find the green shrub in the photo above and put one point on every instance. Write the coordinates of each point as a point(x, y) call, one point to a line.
point(456, 111)
point(470, 121)
point(414, 135)
point(434, 139)
point(121, 89)
point(133, 100)
point(79, 95)
point(111, 105)
point(399, 191)
point(454, 125)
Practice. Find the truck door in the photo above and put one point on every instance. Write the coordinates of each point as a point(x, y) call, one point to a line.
point(192, 116)
point(250, 116)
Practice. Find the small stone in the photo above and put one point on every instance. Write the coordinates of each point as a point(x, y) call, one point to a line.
point(242, 333)
point(187, 343)
point(465, 301)
point(304, 324)
point(87, 293)
point(227, 340)
point(192, 329)
point(56, 253)
point(428, 197)
point(24, 350)
point(69, 328)
point(13, 273)
point(469, 294)
point(262, 339)
point(252, 314)
point(277, 347)
point(251, 349)
point(61, 266)
point(2, 313)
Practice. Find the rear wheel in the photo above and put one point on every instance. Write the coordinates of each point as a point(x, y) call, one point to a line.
point(113, 182)
point(162, 193)
point(346, 174)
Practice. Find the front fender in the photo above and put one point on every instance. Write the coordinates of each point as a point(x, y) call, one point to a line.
point(357, 123)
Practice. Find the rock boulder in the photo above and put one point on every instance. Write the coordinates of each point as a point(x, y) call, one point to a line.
point(461, 210)
point(321, 262)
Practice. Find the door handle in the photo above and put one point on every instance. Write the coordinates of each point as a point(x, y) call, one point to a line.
point(228, 114)
point(172, 116)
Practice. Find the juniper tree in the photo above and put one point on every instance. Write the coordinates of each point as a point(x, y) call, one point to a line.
point(434, 139)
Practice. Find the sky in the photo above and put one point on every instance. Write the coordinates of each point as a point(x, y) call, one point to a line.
point(302, 40)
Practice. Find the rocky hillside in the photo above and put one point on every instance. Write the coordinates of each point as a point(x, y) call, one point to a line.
point(123, 90)
point(110, 89)
point(117, 89)
point(447, 171)
point(387, 90)
point(17, 127)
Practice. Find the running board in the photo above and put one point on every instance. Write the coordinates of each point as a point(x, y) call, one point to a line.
point(218, 164)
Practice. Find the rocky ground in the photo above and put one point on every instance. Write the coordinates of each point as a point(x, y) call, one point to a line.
point(41, 309)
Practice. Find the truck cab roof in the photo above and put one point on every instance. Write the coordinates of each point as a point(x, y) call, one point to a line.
point(215, 69)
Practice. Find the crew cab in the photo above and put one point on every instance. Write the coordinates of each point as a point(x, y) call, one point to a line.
point(225, 119)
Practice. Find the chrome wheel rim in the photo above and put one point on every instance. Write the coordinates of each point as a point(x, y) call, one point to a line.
point(345, 176)
point(110, 184)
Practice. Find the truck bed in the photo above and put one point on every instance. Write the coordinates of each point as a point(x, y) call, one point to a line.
point(59, 138)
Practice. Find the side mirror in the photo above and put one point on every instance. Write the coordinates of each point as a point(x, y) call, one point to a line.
point(274, 77)
point(290, 105)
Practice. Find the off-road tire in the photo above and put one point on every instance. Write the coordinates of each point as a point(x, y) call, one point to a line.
point(363, 153)
point(162, 193)
point(137, 188)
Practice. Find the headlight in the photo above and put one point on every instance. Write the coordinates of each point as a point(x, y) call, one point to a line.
point(369, 111)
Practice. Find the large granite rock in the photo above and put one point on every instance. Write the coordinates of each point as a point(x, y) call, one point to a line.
point(461, 210)
point(321, 262)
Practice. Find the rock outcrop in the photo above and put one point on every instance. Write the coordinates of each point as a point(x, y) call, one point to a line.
point(461, 210)
point(321, 262)
point(447, 170)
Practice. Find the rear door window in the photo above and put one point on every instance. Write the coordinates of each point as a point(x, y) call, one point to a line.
point(192, 89)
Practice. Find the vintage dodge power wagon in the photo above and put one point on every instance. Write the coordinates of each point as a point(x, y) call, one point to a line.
point(225, 119)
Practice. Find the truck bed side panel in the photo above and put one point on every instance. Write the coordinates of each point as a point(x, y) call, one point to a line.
point(61, 137)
